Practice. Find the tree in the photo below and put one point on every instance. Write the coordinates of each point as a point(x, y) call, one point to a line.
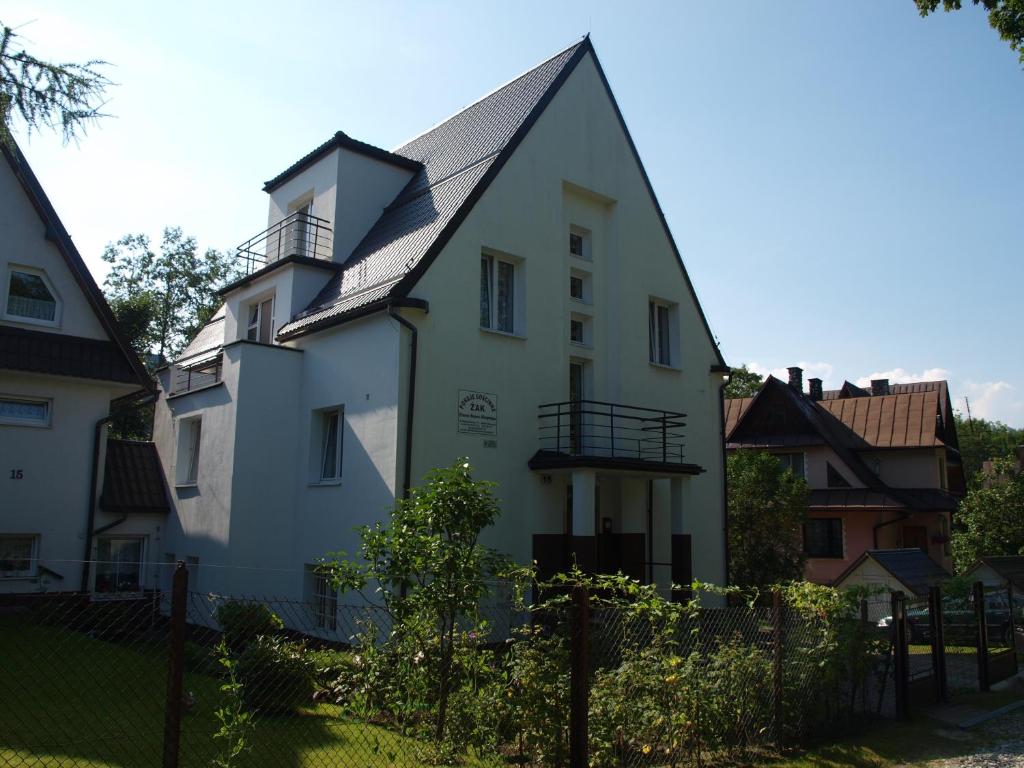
point(767, 507)
point(981, 440)
point(743, 382)
point(430, 571)
point(165, 297)
point(1004, 16)
point(991, 517)
point(42, 94)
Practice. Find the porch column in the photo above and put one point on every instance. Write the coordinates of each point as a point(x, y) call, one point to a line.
point(583, 544)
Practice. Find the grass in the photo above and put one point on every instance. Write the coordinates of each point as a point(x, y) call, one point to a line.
point(67, 698)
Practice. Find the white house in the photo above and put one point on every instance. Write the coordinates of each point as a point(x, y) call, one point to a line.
point(62, 361)
point(503, 286)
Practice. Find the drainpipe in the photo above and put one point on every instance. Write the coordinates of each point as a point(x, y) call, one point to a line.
point(410, 401)
point(725, 479)
point(90, 519)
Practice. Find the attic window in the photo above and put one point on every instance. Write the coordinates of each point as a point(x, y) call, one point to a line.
point(794, 462)
point(835, 480)
point(30, 297)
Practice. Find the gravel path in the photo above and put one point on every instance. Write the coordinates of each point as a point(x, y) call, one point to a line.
point(1004, 745)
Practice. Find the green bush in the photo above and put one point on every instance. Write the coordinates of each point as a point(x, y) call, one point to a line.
point(242, 622)
point(276, 676)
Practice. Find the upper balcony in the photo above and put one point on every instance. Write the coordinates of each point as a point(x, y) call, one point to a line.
point(298, 234)
point(613, 436)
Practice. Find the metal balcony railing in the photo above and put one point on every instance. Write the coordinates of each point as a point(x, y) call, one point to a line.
point(611, 430)
point(299, 234)
point(186, 378)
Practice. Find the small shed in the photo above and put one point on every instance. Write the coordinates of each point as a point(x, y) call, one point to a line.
point(997, 571)
point(897, 570)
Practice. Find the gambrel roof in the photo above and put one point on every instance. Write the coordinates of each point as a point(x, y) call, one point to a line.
point(456, 160)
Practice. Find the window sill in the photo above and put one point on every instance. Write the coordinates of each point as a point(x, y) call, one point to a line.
point(185, 486)
point(31, 321)
point(324, 483)
point(506, 334)
point(665, 367)
point(584, 259)
point(581, 345)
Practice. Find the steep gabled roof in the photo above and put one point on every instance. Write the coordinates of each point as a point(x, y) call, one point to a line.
point(132, 479)
point(1010, 567)
point(459, 157)
point(910, 567)
point(905, 420)
point(58, 235)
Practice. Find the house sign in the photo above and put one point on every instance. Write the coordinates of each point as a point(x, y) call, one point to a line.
point(478, 413)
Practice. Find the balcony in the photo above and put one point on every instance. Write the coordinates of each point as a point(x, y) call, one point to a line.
point(591, 433)
point(299, 234)
point(196, 375)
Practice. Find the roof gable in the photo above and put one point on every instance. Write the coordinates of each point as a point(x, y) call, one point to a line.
point(120, 357)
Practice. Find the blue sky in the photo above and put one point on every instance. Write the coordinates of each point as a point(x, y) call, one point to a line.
point(843, 179)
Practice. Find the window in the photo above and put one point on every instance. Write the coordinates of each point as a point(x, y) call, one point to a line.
point(497, 294)
point(189, 442)
point(118, 565)
point(794, 462)
point(330, 444)
point(660, 333)
point(20, 411)
point(30, 297)
point(17, 556)
point(833, 478)
point(260, 325)
point(823, 537)
point(323, 599)
point(579, 243)
point(576, 287)
point(576, 331)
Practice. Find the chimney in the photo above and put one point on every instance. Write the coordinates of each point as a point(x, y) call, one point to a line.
point(879, 386)
point(815, 388)
point(796, 378)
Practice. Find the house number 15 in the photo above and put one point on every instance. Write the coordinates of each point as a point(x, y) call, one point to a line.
point(17, 474)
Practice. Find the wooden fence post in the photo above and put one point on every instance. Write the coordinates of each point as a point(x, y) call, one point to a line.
point(938, 643)
point(176, 666)
point(979, 617)
point(777, 665)
point(900, 657)
point(579, 688)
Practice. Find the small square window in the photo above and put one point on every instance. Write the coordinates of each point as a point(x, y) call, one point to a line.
point(823, 537)
point(25, 412)
point(260, 325)
point(30, 296)
point(119, 565)
point(17, 556)
point(576, 331)
point(497, 293)
point(794, 462)
point(579, 243)
point(576, 287)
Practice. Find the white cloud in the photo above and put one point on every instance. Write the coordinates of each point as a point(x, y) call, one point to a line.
point(903, 376)
point(812, 370)
point(993, 400)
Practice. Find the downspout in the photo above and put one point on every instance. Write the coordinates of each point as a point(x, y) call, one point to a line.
point(90, 518)
point(725, 476)
point(410, 400)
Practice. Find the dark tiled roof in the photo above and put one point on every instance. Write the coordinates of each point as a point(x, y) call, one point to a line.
point(133, 480)
point(912, 567)
point(63, 355)
point(836, 499)
point(209, 338)
point(455, 156)
point(340, 139)
point(890, 421)
point(1010, 567)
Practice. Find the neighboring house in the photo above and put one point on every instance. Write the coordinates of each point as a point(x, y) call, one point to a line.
point(62, 361)
point(910, 571)
point(502, 287)
point(998, 571)
point(883, 465)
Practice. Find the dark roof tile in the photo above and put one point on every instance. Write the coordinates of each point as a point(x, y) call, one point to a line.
point(133, 480)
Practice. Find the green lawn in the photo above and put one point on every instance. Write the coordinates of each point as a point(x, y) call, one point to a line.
point(68, 699)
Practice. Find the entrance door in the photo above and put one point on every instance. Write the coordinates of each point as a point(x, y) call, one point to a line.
point(575, 408)
point(915, 536)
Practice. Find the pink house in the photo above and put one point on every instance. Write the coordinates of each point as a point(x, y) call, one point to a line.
point(883, 465)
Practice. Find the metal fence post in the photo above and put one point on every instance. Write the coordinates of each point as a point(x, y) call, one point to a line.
point(1013, 627)
point(938, 643)
point(777, 664)
point(579, 706)
point(176, 666)
point(900, 656)
point(979, 616)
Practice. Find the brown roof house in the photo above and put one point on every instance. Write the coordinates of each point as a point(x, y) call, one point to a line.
point(883, 464)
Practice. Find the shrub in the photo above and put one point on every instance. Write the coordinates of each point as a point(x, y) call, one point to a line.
point(276, 675)
point(243, 622)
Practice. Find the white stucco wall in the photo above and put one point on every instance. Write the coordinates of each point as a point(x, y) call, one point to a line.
point(319, 180)
point(365, 187)
point(907, 468)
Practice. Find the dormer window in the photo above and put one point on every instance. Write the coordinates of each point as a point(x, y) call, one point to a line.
point(31, 298)
point(260, 325)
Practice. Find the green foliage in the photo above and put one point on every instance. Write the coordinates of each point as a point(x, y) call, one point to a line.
point(1004, 16)
point(276, 675)
point(42, 94)
point(167, 295)
point(536, 705)
point(233, 736)
point(241, 623)
point(991, 517)
point(981, 440)
point(767, 507)
point(743, 383)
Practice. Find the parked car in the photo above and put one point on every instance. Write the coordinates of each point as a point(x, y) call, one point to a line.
point(959, 620)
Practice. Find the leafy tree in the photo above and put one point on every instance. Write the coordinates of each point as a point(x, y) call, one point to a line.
point(767, 507)
point(165, 296)
point(981, 440)
point(430, 571)
point(743, 383)
point(42, 94)
point(991, 517)
point(1004, 16)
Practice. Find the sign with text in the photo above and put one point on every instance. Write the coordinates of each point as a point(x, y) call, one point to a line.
point(478, 413)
